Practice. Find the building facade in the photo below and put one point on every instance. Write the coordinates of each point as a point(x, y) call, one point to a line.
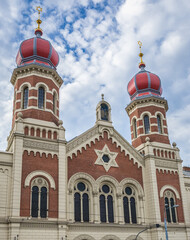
point(98, 185)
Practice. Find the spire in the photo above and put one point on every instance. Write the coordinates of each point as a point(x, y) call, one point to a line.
point(38, 30)
point(141, 64)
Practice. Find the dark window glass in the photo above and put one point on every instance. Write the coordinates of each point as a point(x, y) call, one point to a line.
point(105, 188)
point(159, 124)
point(54, 103)
point(135, 128)
point(41, 93)
point(146, 124)
point(105, 158)
point(173, 210)
point(167, 210)
point(102, 208)
point(104, 112)
point(128, 190)
point(110, 209)
point(85, 207)
point(126, 209)
point(43, 203)
point(25, 98)
point(133, 210)
point(81, 186)
point(77, 207)
point(35, 192)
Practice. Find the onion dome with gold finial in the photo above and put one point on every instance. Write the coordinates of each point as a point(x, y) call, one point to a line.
point(37, 50)
point(144, 83)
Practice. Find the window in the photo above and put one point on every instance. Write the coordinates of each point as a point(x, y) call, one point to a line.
point(146, 124)
point(81, 202)
point(25, 98)
point(39, 198)
point(169, 207)
point(134, 128)
point(129, 205)
point(159, 122)
point(106, 204)
point(104, 112)
point(54, 103)
point(41, 96)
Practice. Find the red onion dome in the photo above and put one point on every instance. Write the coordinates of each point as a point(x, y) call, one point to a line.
point(144, 84)
point(37, 51)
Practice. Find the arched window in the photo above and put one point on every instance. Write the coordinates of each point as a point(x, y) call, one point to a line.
point(39, 198)
point(41, 96)
point(146, 124)
point(159, 122)
point(81, 202)
point(54, 103)
point(106, 204)
point(104, 112)
point(170, 208)
point(134, 128)
point(25, 98)
point(129, 205)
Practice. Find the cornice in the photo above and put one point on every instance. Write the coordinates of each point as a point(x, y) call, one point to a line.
point(42, 71)
point(146, 100)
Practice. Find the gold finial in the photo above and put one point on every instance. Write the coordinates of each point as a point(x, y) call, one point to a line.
point(102, 97)
point(141, 64)
point(39, 21)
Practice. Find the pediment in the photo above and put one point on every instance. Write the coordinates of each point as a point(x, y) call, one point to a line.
point(95, 134)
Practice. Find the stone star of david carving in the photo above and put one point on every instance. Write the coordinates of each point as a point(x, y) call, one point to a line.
point(106, 158)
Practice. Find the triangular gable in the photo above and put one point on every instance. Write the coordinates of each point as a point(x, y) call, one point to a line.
point(94, 133)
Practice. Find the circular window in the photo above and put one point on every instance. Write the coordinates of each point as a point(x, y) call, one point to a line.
point(81, 186)
point(105, 158)
point(128, 190)
point(105, 188)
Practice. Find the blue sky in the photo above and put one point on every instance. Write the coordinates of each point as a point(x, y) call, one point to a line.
point(97, 44)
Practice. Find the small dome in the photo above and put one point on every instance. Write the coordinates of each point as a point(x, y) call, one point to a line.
point(144, 84)
point(37, 50)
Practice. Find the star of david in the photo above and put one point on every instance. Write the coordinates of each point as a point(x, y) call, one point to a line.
point(111, 156)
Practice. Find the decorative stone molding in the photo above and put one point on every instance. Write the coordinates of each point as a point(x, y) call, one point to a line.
point(134, 183)
point(110, 237)
point(40, 145)
point(132, 237)
point(4, 170)
point(81, 176)
point(166, 164)
point(84, 237)
point(169, 187)
point(39, 173)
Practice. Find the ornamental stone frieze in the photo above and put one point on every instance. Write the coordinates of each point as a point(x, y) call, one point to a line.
point(166, 164)
point(40, 145)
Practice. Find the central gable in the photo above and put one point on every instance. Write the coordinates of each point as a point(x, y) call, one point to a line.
point(103, 151)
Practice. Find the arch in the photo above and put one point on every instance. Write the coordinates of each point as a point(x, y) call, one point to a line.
point(39, 173)
point(110, 237)
point(84, 176)
point(84, 236)
point(23, 85)
point(161, 114)
point(169, 187)
point(41, 97)
point(133, 182)
point(42, 84)
point(146, 123)
point(106, 178)
point(25, 95)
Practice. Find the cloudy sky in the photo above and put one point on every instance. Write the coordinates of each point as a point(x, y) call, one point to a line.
point(97, 44)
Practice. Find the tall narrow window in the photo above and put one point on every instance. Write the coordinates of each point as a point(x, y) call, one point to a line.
point(39, 197)
point(159, 124)
point(25, 98)
point(146, 124)
point(41, 96)
point(106, 204)
point(54, 103)
point(134, 128)
point(170, 207)
point(81, 202)
point(104, 112)
point(129, 205)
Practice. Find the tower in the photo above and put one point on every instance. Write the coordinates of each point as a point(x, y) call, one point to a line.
point(37, 138)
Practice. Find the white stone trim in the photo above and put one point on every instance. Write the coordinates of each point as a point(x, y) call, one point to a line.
point(170, 188)
point(108, 237)
point(84, 236)
point(39, 173)
point(134, 183)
